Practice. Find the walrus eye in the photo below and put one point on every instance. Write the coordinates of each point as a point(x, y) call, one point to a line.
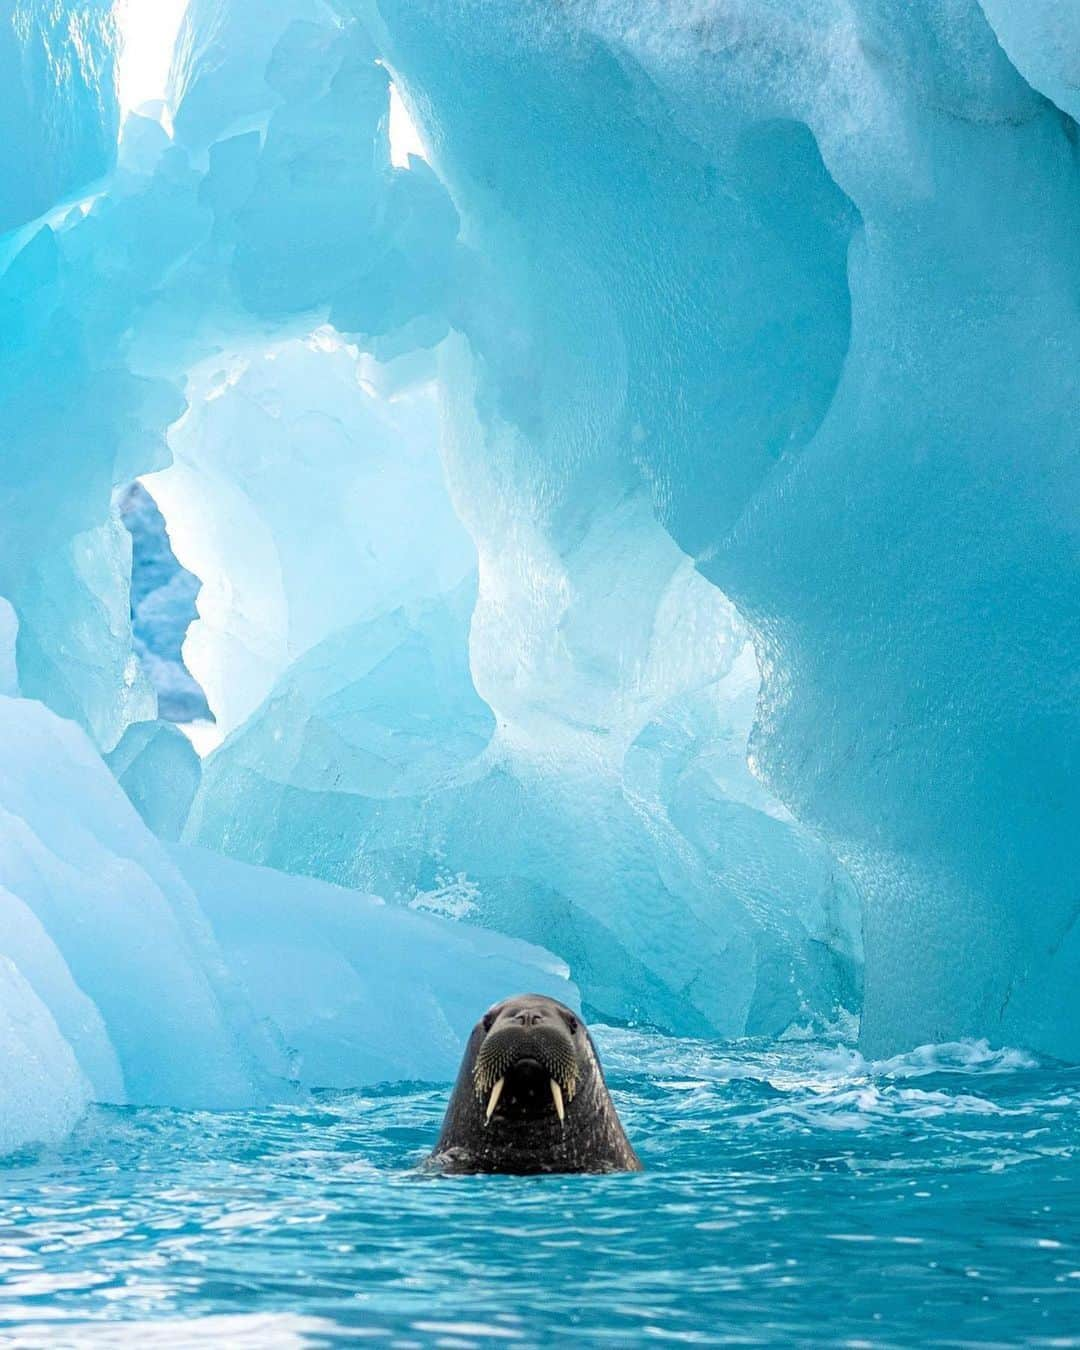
point(573, 1024)
point(488, 1019)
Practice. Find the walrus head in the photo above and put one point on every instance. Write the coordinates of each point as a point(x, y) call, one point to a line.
point(530, 1097)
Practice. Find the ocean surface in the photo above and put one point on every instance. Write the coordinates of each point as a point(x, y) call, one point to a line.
point(794, 1195)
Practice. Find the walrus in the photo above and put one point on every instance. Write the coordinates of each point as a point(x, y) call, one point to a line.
point(530, 1097)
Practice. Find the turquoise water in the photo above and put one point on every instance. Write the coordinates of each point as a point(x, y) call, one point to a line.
point(794, 1194)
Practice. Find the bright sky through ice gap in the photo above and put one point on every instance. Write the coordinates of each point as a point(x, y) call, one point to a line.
point(404, 137)
point(148, 31)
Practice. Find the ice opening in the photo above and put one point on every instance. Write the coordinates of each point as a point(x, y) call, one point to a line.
point(405, 139)
point(163, 596)
point(148, 30)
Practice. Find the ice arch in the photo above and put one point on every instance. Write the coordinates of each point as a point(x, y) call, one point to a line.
point(741, 324)
point(386, 732)
point(139, 973)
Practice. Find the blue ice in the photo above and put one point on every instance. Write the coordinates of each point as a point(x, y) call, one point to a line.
point(642, 529)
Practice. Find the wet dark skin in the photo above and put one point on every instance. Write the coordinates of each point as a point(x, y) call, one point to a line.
point(530, 1098)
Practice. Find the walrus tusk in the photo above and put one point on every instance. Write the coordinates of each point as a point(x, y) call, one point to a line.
point(493, 1100)
point(556, 1096)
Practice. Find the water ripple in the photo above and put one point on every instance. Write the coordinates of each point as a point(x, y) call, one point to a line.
point(795, 1193)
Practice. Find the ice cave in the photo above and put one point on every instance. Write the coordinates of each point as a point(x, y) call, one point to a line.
point(567, 496)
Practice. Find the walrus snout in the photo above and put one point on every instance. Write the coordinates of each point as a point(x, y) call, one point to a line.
point(530, 1045)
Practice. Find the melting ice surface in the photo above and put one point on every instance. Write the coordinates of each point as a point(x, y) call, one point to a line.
point(794, 1194)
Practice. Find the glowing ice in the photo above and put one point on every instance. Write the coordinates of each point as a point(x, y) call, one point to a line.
point(125, 977)
point(707, 399)
point(43, 1091)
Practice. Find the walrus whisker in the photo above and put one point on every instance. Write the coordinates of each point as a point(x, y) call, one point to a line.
point(556, 1097)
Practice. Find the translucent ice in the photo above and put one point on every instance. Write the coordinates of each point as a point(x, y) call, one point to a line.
point(58, 112)
point(98, 911)
point(649, 530)
point(613, 821)
point(9, 632)
point(159, 770)
point(127, 977)
point(803, 271)
point(305, 503)
point(360, 992)
point(1042, 39)
point(43, 1091)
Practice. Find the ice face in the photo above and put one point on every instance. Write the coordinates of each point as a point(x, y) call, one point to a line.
point(304, 502)
point(43, 1092)
point(158, 768)
point(360, 991)
point(58, 115)
point(1042, 40)
point(863, 438)
point(611, 819)
point(129, 974)
point(9, 632)
point(648, 531)
point(111, 925)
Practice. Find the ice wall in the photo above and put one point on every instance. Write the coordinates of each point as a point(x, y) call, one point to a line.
point(101, 925)
point(337, 639)
point(45, 1092)
point(359, 991)
point(58, 114)
point(607, 813)
point(131, 975)
point(118, 987)
point(714, 384)
point(1042, 40)
point(107, 306)
point(821, 308)
point(307, 499)
point(115, 984)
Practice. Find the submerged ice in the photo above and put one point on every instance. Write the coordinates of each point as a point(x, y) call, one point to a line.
point(647, 531)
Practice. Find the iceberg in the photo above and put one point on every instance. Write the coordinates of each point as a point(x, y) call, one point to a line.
point(635, 538)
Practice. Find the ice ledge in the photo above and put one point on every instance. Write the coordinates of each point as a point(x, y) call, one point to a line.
point(131, 972)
